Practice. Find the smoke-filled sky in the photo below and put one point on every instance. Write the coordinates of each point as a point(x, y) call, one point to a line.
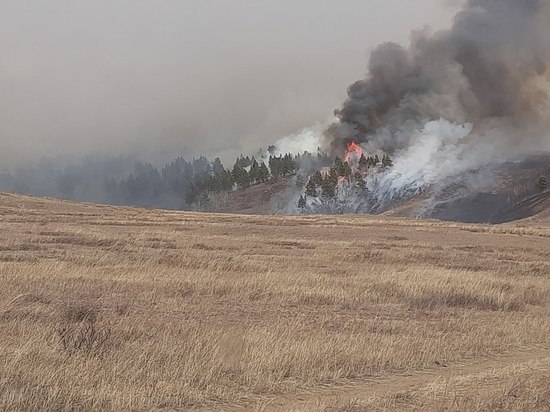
point(177, 76)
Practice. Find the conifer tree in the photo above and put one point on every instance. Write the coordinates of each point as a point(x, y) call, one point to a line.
point(333, 176)
point(347, 170)
point(254, 172)
point(543, 183)
point(359, 181)
point(191, 195)
point(275, 167)
point(240, 176)
point(339, 167)
point(363, 163)
point(386, 161)
point(290, 165)
point(263, 173)
point(329, 188)
point(302, 203)
point(329, 183)
point(311, 188)
point(317, 178)
point(217, 166)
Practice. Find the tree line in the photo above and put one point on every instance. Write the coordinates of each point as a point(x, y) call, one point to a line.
point(244, 173)
point(178, 184)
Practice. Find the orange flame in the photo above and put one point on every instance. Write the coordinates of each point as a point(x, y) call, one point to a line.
point(353, 152)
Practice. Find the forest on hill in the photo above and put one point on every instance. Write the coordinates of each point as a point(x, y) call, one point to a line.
point(179, 184)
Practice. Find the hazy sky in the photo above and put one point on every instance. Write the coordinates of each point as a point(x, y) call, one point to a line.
point(210, 76)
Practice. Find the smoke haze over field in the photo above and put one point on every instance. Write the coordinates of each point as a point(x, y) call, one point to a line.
point(208, 76)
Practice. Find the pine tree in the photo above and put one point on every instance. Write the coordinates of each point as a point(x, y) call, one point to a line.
point(339, 167)
point(245, 180)
point(244, 161)
point(201, 166)
point(263, 173)
point(311, 188)
point(317, 179)
point(302, 203)
point(294, 165)
point(329, 183)
point(329, 188)
point(275, 167)
point(217, 166)
point(254, 172)
point(333, 176)
point(543, 183)
point(359, 181)
point(225, 180)
point(347, 170)
point(191, 195)
point(386, 161)
point(363, 163)
point(203, 200)
point(240, 176)
point(289, 165)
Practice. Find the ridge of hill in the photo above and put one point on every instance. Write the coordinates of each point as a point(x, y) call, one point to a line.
point(513, 197)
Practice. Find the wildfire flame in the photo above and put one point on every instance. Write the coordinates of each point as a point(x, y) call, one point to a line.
point(353, 152)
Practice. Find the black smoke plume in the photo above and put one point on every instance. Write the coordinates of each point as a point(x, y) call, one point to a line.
point(491, 69)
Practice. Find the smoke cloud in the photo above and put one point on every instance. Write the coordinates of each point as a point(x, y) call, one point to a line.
point(451, 109)
point(490, 70)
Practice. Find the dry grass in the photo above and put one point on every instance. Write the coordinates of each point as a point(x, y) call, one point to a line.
point(532, 394)
point(519, 387)
point(106, 308)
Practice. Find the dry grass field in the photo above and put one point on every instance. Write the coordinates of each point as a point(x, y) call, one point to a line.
point(128, 309)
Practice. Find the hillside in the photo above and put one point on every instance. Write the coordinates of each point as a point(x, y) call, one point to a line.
point(483, 207)
point(513, 196)
point(131, 309)
point(498, 193)
point(259, 199)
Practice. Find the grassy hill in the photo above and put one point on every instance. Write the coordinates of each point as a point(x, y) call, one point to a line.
point(123, 308)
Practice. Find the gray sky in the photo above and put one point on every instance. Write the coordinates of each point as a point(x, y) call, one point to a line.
point(204, 76)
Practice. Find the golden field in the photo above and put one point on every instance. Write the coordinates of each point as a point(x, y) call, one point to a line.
point(128, 309)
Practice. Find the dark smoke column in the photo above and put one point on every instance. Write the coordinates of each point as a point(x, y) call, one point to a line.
point(488, 69)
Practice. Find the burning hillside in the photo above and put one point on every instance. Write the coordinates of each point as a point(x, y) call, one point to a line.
point(353, 152)
point(443, 113)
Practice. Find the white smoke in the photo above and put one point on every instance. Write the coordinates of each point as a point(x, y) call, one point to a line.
point(307, 140)
point(439, 155)
point(435, 153)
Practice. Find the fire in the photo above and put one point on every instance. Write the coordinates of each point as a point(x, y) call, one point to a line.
point(353, 152)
